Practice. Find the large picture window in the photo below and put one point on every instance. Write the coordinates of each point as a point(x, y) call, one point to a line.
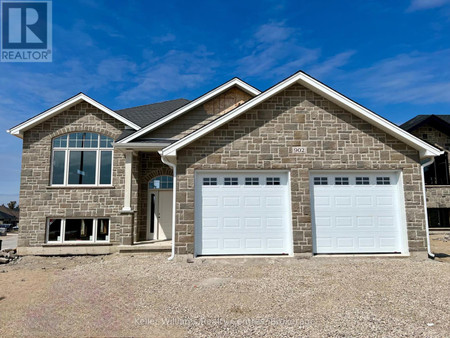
point(77, 230)
point(82, 159)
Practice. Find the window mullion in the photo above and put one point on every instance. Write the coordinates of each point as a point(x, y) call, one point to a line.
point(66, 169)
point(63, 230)
point(94, 231)
point(97, 167)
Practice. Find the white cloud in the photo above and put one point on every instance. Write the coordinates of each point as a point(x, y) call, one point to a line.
point(169, 37)
point(331, 64)
point(418, 78)
point(116, 69)
point(417, 5)
point(171, 72)
point(277, 50)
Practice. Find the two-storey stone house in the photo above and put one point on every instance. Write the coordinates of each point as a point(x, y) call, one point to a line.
point(435, 129)
point(297, 168)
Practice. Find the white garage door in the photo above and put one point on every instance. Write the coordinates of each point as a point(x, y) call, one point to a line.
point(357, 212)
point(242, 213)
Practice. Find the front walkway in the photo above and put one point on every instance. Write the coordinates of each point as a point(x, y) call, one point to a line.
point(147, 246)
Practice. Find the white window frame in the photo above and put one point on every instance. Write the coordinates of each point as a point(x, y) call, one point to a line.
point(63, 231)
point(67, 149)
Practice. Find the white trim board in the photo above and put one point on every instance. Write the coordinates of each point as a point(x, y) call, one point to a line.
point(19, 129)
point(425, 149)
point(202, 99)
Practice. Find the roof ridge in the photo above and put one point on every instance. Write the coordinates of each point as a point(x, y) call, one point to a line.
point(150, 104)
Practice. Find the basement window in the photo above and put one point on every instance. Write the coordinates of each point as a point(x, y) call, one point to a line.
point(77, 230)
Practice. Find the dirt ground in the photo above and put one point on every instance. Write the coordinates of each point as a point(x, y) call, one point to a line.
point(440, 246)
point(146, 295)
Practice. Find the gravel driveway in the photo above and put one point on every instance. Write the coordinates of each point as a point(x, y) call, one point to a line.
point(142, 295)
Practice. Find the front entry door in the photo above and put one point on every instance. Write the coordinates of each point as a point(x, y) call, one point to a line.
point(160, 214)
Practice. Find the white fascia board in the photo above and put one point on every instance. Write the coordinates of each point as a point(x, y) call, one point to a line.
point(191, 105)
point(141, 145)
point(19, 129)
point(365, 114)
point(425, 149)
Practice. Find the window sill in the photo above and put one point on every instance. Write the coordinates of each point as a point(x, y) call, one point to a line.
point(80, 187)
point(437, 185)
point(76, 244)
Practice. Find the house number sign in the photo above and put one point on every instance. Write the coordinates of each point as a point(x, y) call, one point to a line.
point(299, 150)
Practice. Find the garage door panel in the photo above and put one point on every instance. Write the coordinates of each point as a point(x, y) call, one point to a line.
point(211, 222)
point(231, 222)
point(366, 243)
point(343, 201)
point(252, 222)
point(356, 218)
point(251, 219)
point(231, 201)
point(344, 221)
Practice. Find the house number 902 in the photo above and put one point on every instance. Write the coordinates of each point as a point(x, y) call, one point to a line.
point(299, 150)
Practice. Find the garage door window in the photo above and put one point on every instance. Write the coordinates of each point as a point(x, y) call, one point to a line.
point(383, 180)
point(251, 181)
point(209, 180)
point(231, 181)
point(341, 181)
point(362, 181)
point(273, 181)
point(320, 180)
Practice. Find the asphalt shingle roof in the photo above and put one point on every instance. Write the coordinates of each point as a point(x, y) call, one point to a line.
point(420, 119)
point(149, 113)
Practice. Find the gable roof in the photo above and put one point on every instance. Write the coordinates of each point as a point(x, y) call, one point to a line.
point(425, 149)
point(441, 122)
point(20, 128)
point(235, 82)
point(8, 213)
point(146, 114)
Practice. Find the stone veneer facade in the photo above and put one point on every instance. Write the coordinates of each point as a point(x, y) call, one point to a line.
point(40, 201)
point(263, 137)
point(202, 115)
point(438, 196)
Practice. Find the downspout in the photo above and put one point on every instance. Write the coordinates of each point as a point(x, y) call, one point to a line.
point(426, 164)
point(174, 200)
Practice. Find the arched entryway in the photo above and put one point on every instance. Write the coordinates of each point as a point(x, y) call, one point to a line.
point(159, 220)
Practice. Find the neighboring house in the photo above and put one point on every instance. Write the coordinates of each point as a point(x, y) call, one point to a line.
point(435, 129)
point(298, 168)
point(8, 216)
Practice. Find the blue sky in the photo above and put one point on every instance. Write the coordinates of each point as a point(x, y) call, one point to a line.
point(391, 56)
